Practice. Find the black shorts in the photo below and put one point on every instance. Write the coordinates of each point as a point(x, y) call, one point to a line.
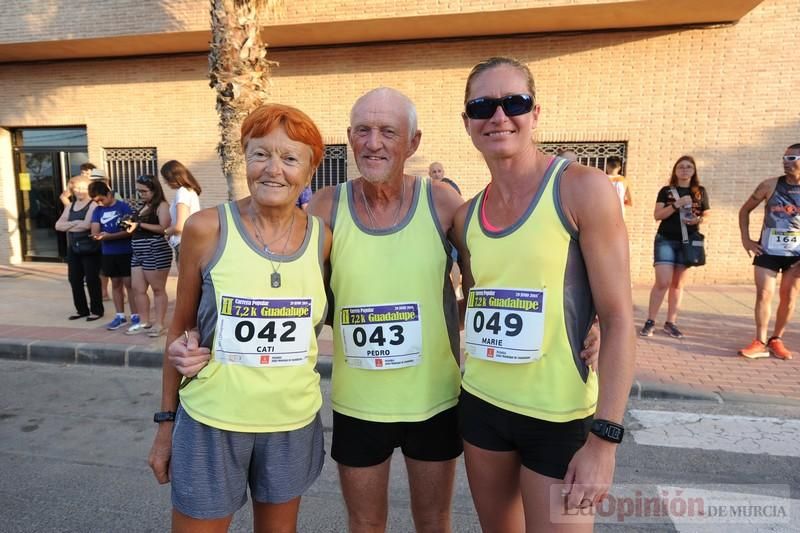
point(361, 443)
point(116, 266)
point(544, 447)
point(776, 263)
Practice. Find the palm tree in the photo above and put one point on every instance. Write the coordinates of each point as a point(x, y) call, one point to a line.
point(239, 73)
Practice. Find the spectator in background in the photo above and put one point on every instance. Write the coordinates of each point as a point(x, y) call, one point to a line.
point(96, 174)
point(304, 198)
point(115, 242)
point(683, 201)
point(613, 169)
point(152, 256)
point(83, 254)
point(184, 204)
point(436, 172)
point(67, 195)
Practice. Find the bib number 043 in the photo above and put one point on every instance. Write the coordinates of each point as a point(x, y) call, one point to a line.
point(381, 337)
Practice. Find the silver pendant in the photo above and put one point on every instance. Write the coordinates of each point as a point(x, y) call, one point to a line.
point(275, 280)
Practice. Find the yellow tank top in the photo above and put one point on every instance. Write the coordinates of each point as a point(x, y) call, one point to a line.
point(395, 316)
point(263, 339)
point(529, 311)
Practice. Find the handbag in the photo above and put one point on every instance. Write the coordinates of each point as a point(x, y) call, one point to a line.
point(694, 250)
point(83, 244)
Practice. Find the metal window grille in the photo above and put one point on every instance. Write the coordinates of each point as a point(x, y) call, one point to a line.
point(333, 169)
point(124, 165)
point(593, 154)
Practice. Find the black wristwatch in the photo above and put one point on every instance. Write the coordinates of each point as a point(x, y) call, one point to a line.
point(607, 430)
point(164, 416)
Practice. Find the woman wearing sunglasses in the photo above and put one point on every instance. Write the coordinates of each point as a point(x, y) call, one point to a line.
point(251, 281)
point(683, 202)
point(529, 242)
point(151, 258)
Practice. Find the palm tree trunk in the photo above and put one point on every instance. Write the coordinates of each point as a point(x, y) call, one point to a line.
point(239, 73)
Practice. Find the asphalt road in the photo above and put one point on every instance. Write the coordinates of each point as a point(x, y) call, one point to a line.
point(74, 441)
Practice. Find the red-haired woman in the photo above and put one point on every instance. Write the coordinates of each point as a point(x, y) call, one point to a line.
point(684, 199)
point(251, 281)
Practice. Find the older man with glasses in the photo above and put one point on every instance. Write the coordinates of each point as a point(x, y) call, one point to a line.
point(777, 250)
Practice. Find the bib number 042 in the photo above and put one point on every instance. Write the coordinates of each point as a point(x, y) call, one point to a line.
point(246, 330)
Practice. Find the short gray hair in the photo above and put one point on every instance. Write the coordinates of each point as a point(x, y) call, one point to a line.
point(411, 109)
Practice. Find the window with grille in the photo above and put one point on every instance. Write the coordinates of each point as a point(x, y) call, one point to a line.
point(592, 154)
point(124, 165)
point(333, 169)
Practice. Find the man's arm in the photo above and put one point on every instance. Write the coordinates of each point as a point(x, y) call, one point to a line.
point(762, 192)
point(593, 207)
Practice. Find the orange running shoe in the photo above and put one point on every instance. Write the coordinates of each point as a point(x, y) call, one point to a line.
point(777, 348)
point(755, 350)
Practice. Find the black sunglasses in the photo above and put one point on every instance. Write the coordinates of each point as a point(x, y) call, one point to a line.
point(513, 105)
point(144, 179)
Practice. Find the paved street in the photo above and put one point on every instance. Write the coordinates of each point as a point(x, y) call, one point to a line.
point(75, 440)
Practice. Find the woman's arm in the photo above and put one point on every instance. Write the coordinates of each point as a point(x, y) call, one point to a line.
point(63, 224)
point(86, 223)
point(202, 236)
point(181, 214)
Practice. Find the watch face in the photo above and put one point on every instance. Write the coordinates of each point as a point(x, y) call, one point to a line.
point(614, 433)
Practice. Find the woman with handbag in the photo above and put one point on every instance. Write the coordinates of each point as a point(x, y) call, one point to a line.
point(151, 258)
point(83, 253)
point(680, 206)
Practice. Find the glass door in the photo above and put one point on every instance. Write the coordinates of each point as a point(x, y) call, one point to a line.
point(45, 160)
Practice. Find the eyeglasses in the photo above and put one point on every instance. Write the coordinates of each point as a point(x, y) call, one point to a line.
point(791, 158)
point(513, 105)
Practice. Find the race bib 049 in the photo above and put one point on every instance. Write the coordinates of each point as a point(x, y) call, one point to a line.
point(382, 337)
point(505, 325)
point(263, 332)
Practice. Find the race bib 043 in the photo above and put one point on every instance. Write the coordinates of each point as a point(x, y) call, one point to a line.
point(263, 332)
point(505, 325)
point(382, 337)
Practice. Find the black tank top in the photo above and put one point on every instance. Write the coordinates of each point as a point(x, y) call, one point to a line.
point(151, 217)
point(73, 215)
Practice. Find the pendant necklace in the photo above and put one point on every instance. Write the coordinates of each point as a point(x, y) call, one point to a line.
point(275, 277)
point(372, 223)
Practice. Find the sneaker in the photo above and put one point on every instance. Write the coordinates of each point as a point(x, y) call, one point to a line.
point(138, 328)
point(156, 332)
point(647, 329)
point(777, 348)
point(755, 350)
point(116, 323)
point(672, 330)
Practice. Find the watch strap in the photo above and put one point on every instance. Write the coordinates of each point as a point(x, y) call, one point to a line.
point(164, 416)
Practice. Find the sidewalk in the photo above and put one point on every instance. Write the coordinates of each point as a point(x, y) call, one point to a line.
point(717, 321)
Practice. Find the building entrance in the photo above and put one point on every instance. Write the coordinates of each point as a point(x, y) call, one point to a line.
point(44, 161)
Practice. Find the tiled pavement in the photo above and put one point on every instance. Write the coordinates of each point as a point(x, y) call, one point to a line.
point(716, 319)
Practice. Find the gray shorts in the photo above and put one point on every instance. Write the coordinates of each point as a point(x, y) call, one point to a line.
point(211, 468)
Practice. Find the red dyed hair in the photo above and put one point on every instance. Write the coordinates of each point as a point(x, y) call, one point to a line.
point(299, 127)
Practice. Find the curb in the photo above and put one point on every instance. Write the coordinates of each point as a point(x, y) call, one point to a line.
point(137, 356)
point(92, 353)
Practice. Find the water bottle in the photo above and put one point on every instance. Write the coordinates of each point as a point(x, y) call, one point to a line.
point(686, 213)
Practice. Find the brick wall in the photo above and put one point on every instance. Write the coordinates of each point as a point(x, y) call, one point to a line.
point(724, 95)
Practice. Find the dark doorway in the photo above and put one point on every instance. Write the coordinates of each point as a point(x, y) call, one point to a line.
point(44, 160)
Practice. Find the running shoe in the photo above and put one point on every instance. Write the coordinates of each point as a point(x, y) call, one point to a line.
point(116, 323)
point(138, 328)
point(777, 348)
point(647, 329)
point(156, 332)
point(672, 330)
point(756, 350)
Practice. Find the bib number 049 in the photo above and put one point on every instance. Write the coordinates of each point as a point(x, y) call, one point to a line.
point(512, 323)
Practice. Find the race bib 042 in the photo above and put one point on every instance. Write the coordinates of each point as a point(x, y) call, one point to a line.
point(382, 337)
point(263, 332)
point(505, 325)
